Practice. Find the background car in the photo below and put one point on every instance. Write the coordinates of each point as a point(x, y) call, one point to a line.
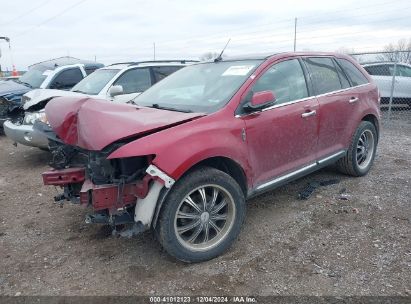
point(60, 73)
point(119, 82)
point(382, 73)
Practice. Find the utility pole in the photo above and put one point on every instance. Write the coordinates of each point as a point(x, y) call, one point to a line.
point(295, 34)
point(154, 51)
point(7, 40)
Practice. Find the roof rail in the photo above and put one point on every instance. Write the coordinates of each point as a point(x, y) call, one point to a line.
point(155, 61)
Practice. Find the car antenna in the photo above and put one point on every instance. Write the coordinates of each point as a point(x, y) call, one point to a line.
point(220, 57)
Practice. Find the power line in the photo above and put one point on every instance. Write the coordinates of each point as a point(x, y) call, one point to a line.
point(290, 21)
point(51, 18)
point(25, 14)
point(281, 33)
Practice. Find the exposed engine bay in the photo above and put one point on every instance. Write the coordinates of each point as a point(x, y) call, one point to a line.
point(111, 186)
point(11, 110)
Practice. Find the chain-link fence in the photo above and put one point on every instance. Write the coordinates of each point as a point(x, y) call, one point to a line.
point(391, 72)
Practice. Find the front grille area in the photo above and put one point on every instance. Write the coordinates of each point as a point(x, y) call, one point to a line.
point(4, 106)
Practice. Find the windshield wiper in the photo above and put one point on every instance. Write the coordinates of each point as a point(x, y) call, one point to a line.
point(157, 106)
point(22, 82)
point(79, 91)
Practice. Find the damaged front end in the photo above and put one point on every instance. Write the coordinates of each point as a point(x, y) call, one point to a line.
point(121, 191)
point(82, 134)
point(11, 109)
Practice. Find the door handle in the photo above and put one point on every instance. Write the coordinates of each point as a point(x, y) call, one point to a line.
point(353, 100)
point(308, 114)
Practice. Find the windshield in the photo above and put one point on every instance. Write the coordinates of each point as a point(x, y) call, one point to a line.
point(95, 82)
point(205, 87)
point(35, 76)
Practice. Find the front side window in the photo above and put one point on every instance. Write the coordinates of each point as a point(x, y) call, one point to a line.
point(355, 75)
point(323, 74)
point(285, 79)
point(95, 82)
point(162, 72)
point(134, 81)
point(66, 79)
point(204, 87)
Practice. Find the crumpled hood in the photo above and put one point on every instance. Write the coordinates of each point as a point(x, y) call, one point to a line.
point(38, 95)
point(93, 124)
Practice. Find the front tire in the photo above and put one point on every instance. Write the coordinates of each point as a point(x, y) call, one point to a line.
point(202, 215)
point(361, 153)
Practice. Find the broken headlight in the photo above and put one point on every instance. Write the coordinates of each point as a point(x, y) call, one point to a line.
point(30, 118)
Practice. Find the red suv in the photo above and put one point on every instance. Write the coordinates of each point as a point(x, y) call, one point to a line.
point(198, 144)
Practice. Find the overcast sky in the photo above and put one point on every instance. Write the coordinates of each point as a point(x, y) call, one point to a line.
point(124, 30)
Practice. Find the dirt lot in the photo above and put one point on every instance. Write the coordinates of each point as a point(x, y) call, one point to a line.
point(320, 246)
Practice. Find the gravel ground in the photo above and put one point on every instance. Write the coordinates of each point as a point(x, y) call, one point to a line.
point(326, 245)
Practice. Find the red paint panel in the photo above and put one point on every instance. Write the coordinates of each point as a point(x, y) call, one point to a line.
point(64, 177)
point(107, 196)
point(93, 124)
point(179, 148)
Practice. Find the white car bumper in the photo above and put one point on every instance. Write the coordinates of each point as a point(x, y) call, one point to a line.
point(25, 135)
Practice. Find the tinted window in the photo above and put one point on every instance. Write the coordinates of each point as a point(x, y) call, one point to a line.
point(285, 79)
point(343, 78)
point(90, 70)
point(324, 75)
point(135, 80)
point(66, 79)
point(355, 75)
point(403, 71)
point(379, 70)
point(163, 71)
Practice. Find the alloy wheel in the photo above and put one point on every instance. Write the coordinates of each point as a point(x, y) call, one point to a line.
point(365, 149)
point(204, 217)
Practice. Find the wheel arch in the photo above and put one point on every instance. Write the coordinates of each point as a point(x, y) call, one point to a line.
point(224, 164)
point(374, 120)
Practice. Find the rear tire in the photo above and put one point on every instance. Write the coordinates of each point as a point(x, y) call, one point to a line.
point(202, 215)
point(361, 153)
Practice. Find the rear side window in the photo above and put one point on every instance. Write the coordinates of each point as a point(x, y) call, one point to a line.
point(378, 70)
point(355, 75)
point(323, 74)
point(343, 77)
point(162, 72)
point(134, 81)
point(403, 71)
point(285, 79)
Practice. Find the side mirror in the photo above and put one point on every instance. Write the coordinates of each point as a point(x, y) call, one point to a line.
point(260, 100)
point(115, 90)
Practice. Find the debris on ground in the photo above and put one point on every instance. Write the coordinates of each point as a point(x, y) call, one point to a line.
point(311, 186)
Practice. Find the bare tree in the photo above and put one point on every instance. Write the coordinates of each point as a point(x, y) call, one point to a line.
point(345, 50)
point(350, 52)
point(401, 51)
